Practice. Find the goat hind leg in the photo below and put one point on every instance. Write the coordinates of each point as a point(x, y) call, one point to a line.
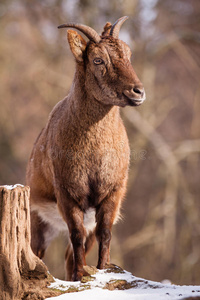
point(90, 239)
point(69, 262)
point(41, 234)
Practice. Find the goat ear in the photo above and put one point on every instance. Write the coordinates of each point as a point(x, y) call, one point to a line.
point(106, 29)
point(77, 44)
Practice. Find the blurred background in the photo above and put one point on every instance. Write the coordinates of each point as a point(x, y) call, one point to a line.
point(159, 236)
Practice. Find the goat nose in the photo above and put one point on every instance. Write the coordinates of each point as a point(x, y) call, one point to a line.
point(139, 91)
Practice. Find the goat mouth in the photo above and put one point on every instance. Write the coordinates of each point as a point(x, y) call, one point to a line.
point(134, 102)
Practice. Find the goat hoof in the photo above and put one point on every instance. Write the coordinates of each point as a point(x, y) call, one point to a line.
point(86, 271)
point(77, 277)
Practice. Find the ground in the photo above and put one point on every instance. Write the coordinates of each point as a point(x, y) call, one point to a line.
point(117, 284)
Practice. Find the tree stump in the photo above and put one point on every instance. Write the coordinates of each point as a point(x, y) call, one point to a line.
point(22, 274)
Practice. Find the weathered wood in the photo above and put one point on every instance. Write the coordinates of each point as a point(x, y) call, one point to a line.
point(22, 274)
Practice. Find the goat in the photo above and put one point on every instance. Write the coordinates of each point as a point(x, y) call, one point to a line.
point(78, 167)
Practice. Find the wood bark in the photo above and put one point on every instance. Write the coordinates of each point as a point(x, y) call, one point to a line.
point(22, 274)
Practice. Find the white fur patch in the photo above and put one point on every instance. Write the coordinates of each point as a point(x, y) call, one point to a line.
point(90, 220)
point(49, 213)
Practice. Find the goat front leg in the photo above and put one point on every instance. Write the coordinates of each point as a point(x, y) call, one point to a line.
point(107, 213)
point(73, 216)
point(90, 239)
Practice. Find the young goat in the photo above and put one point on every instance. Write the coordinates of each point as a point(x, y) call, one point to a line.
point(78, 168)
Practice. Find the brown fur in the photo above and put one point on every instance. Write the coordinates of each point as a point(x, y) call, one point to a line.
point(80, 160)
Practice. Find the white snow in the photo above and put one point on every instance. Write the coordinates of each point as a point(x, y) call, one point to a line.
point(11, 187)
point(144, 289)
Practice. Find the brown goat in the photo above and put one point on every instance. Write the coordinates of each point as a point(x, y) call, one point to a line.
point(78, 168)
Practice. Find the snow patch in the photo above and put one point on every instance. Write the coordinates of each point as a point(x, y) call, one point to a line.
point(142, 290)
point(63, 285)
point(11, 187)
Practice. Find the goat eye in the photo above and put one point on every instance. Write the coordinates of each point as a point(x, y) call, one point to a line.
point(98, 61)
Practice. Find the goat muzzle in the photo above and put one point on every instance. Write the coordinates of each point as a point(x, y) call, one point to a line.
point(136, 95)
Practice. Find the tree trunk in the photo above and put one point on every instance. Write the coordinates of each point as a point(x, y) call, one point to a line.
point(22, 274)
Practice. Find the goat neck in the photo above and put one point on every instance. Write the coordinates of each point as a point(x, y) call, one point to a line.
point(88, 110)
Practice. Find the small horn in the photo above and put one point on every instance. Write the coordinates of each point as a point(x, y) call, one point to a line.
point(116, 27)
point(88, 31)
